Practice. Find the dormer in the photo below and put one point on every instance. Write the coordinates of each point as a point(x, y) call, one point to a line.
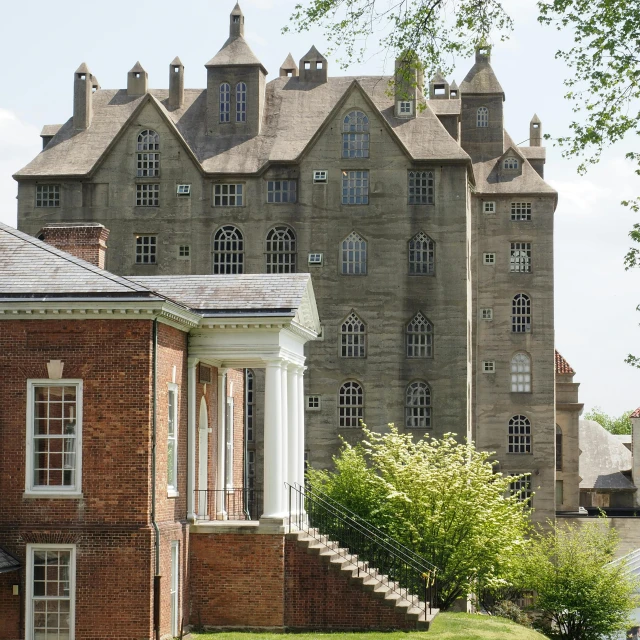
point(289, 68)
point(82, 90)
point(313, 67)
point(535, 132)
point(408, 84)
point(439, 88)
point(137, 80)
point(510, 165)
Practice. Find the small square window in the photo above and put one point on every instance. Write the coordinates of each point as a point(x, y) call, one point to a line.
point(487, 314)
point(489, 258)
point(521, 211)
point(146, 249)
point(405, 108)
point(320, 176)
point(184, 252)
point(48, 195)
point(314, 403)
point(488, 207)
point(488, 366)
point(315, 259)
point(184, 190)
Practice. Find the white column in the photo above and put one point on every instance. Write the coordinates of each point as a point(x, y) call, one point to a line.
point(284, 389)
point(273, 476)
point(301, 434)
point(221, 514)
point(191, 434)
point(292, 424)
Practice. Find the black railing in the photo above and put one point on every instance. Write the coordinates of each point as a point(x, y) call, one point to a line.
point(228, 504)
point(376, 554)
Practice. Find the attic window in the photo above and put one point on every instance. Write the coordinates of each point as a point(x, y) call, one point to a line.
point(405, 108)
point(307, 65)
point(438, 90)
point(510, 163)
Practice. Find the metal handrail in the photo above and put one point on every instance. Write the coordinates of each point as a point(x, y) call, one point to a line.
point(232, 503)
point(371, 551)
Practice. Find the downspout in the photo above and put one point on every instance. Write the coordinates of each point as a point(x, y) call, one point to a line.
point(154, 419)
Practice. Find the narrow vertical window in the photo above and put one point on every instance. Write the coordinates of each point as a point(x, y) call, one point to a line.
point(417, 406)
point(353, 337)
point(354, 255)
point(172, 438)
point(421, 187)
point(350, 404)
point(521, 373)
point(228, 250)
point(482, 117)
point(281, 250)
point(520, 261)
point(249, 404)
point(241, 102)
point(355, 187)
point(422, 253)
point(419, 337)
point(148, 156)
point(519, 435)
point(521, 313)
point(225, 102)
point(558, 448)
point(355, 135)
point(146, 249)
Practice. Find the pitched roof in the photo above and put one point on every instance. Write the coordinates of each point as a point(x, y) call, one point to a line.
point(481, 80)
point(562, 366)
point(235, 52)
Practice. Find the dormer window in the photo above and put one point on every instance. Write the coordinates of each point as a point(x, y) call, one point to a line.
point(405, 108)
point(510, 163)
point(225, 101)
point(355, 136)
point(482, 119)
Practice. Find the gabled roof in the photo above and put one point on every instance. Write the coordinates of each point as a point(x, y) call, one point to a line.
point(562, 366)
point(235, 52)
point(481, 80)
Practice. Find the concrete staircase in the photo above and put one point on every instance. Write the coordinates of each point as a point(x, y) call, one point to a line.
point(365, 577)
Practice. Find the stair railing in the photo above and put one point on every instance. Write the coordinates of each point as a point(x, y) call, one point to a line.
point(397, 567)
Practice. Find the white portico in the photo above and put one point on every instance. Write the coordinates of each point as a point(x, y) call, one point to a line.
point(258, 322)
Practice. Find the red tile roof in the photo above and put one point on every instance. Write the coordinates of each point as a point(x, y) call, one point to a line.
point(636, 413)
point(562, 366)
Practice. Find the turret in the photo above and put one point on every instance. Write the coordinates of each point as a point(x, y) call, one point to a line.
point(313, 67)
point(82, 90)
point(289, 68)
point(408, 84)
point(137, 80)
point(438, 88)
point(236, 23)
point(535, 132)
point(176, 84)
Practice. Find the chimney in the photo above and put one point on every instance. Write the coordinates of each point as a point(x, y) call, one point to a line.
point(84, 240)
point(289, 68)
point(236, 23)
point(439, 88)
point(535, 132)
point(313, 67)
point(82, 89)
point(635, 450)
point(137, 81)
point(483, 53)
point(176, 84)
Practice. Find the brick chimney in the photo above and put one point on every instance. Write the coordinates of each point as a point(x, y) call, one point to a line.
point(85, 240)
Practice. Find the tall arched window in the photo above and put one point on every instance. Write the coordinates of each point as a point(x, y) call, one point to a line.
point(521, 313)
point(353, 337)
point(354, 255)
point(281, 250)
point(519, 435)
point(417, 406)
point(558, 448)
point(241, 102)
point(228, 250)
point(520, 373)
point(482, 118)
point(147, 157)
point(419, 337)
point(355, 135)
point(422, 255)
point(225, 102)
point(350, 404)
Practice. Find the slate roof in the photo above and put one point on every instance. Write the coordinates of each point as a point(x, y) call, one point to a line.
point(481, 80)
point(235, 51)
point(562, 366)
point(603, 458)
point(8, 562)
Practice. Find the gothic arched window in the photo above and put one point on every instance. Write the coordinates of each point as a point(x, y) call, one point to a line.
point(519, 435)
point(422, 255)
point(510, 163)
point(355, 135)
point(354, 255)
point(241, 102)
point(281, 250)
point(228, 250)
point(482, 118)
point(147, 157)
point(350, 404)
point(353, 337)
point(419, 337)
point(225, 102)
point(520, 373)
point(417, 406)
point(521, 313)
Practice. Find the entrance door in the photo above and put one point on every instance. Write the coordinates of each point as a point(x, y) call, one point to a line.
point(203, 446)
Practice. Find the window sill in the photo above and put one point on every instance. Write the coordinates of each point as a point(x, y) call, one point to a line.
point(75, 495)
point(173, 494)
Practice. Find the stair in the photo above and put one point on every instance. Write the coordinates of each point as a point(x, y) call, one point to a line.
point(367, 578)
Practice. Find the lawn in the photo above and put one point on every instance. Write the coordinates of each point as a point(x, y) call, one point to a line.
point(447, 626)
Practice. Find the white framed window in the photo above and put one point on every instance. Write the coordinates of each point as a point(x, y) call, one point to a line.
point(488, 206)
point(354, 255)
point(241, 102)
point(350, 404)
point(54, 437)
point(520, 257)
point(419, 337)
point(521, 211)
point(184, 252)
point(519, 435)
point(405, 108)
point(147, 156)
point(172, 439)
point(282, 190)
point(146, 249)
point(488, 366)
point(422, 255)
point(482, 117)
point(353, 337)
point(510, 163)
point(51, 591)
point(147, 195)
point(522, 488)
point(320, 176)
point(249, 404)
point(228, 250)
point(521, 313)
point(355, 187)
point(225, 102)
point(228, 195)
point(486, 314)
point(315, 259)
point(174, 588)
point(183, 190)
point(313, 403)
point(520, 373)
point(281, 250)
point(488, 258)
point(417, 406)
point(47, 195)
point(355, 135)
point(421, 187)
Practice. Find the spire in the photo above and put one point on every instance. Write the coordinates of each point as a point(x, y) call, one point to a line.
point(535, 132)
point(289, 67)
point(82, 89)
point(236, 23)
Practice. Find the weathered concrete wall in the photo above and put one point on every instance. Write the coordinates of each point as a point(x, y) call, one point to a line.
point(628, 530)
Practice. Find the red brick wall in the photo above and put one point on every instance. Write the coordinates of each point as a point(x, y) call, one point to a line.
point(235, 388)
point(237, 580)
point(10, 605)
point(88, 242)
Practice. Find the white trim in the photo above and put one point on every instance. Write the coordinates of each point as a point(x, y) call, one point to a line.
point(31, 547)
point(307, 403)
point(172, 489)
point(74, 491)
point(174, 588)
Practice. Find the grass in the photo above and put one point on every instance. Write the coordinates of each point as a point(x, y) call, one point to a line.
point(446, 626)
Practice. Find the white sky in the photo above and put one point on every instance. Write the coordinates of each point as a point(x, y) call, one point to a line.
point(596, 321)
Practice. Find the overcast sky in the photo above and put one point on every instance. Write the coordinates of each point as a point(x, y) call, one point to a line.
point(43, 43)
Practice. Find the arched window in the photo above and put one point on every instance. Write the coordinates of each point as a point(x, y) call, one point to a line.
point(350, 404)
point(228, 250)
point(147, 157)
point(419, 337)
point(249, 404)
point(355, 135)
point(417, 406)
point(519, 435)
point(482, 117)
point(521, 313)
point(558, 448)
point(422, 255)
point(354, 255)
point(281, 250)
point(353, 337)
point(510, 163)
point(225, 102)
point(521, 373)
point(241, 102)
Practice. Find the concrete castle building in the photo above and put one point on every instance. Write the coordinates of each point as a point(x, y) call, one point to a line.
point(427, 232)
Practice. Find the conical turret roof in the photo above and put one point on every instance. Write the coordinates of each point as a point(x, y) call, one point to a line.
point(481, 80)
point(176, 62)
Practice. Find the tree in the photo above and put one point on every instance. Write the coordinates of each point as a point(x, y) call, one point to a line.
point(438, 497)
point(580, 592)
point(619, 425)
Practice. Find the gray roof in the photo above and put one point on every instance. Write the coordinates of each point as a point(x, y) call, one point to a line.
point(603, 458)
point(481, 80)
point(450, 107)
point(50, 129)
point(8, 562)
point(235, 52)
